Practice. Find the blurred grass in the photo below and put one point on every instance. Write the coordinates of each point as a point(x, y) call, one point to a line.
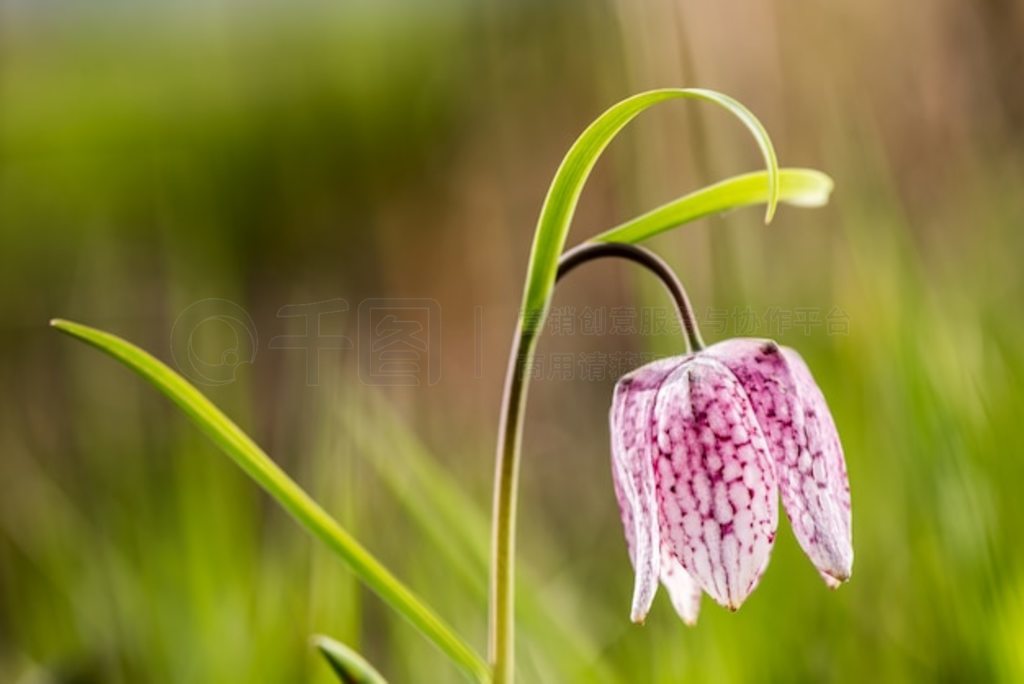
point(152, 156)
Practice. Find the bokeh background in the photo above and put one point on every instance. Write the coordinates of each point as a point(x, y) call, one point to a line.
point(154, 155)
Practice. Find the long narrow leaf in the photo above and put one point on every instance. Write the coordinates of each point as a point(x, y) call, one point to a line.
point(560, 204)
point(798, 187)
point(248, 455)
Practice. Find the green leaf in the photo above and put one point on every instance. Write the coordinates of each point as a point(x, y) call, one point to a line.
point(350, 667)
point(797, 187)
point(248, 455)
point(560, 204)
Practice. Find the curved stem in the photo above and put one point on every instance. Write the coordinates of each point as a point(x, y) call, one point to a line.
point(589, 251)
point(506, 491)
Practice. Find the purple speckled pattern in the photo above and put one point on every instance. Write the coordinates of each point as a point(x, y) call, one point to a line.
point(805, 446)
point(830, 514)
point(715, 481)
point(702, 445)
point(632, 450)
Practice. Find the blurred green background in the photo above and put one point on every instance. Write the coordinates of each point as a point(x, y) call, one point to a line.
point(154, 155)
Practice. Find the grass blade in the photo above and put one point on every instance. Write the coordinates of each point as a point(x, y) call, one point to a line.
point(797, 187)
point(350, 667)
point(458, 528)
point(248, 455)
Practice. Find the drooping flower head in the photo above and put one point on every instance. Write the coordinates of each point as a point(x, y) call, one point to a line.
point(702, 447)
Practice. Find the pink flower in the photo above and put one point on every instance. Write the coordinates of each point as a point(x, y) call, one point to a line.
point(701, 447)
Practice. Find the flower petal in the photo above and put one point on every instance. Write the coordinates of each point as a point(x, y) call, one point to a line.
point(828, 511)
point(804, 444)
point(633, 450)
point(715, 480)
point(682, 589)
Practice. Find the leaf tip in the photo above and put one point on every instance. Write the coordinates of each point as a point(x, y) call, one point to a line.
point(67, 327)
point(827, 186)
point(348, 665)
point(774, 193)
point(63, 325)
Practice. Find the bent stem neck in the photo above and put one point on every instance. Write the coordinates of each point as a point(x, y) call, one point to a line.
point(590, 251)
point(506, 476)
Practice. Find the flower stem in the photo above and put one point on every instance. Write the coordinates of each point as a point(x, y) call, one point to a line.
point(506, 494)
point(589, 251)
point(502, 598)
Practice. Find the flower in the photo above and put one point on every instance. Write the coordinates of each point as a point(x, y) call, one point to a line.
point(702, 446)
